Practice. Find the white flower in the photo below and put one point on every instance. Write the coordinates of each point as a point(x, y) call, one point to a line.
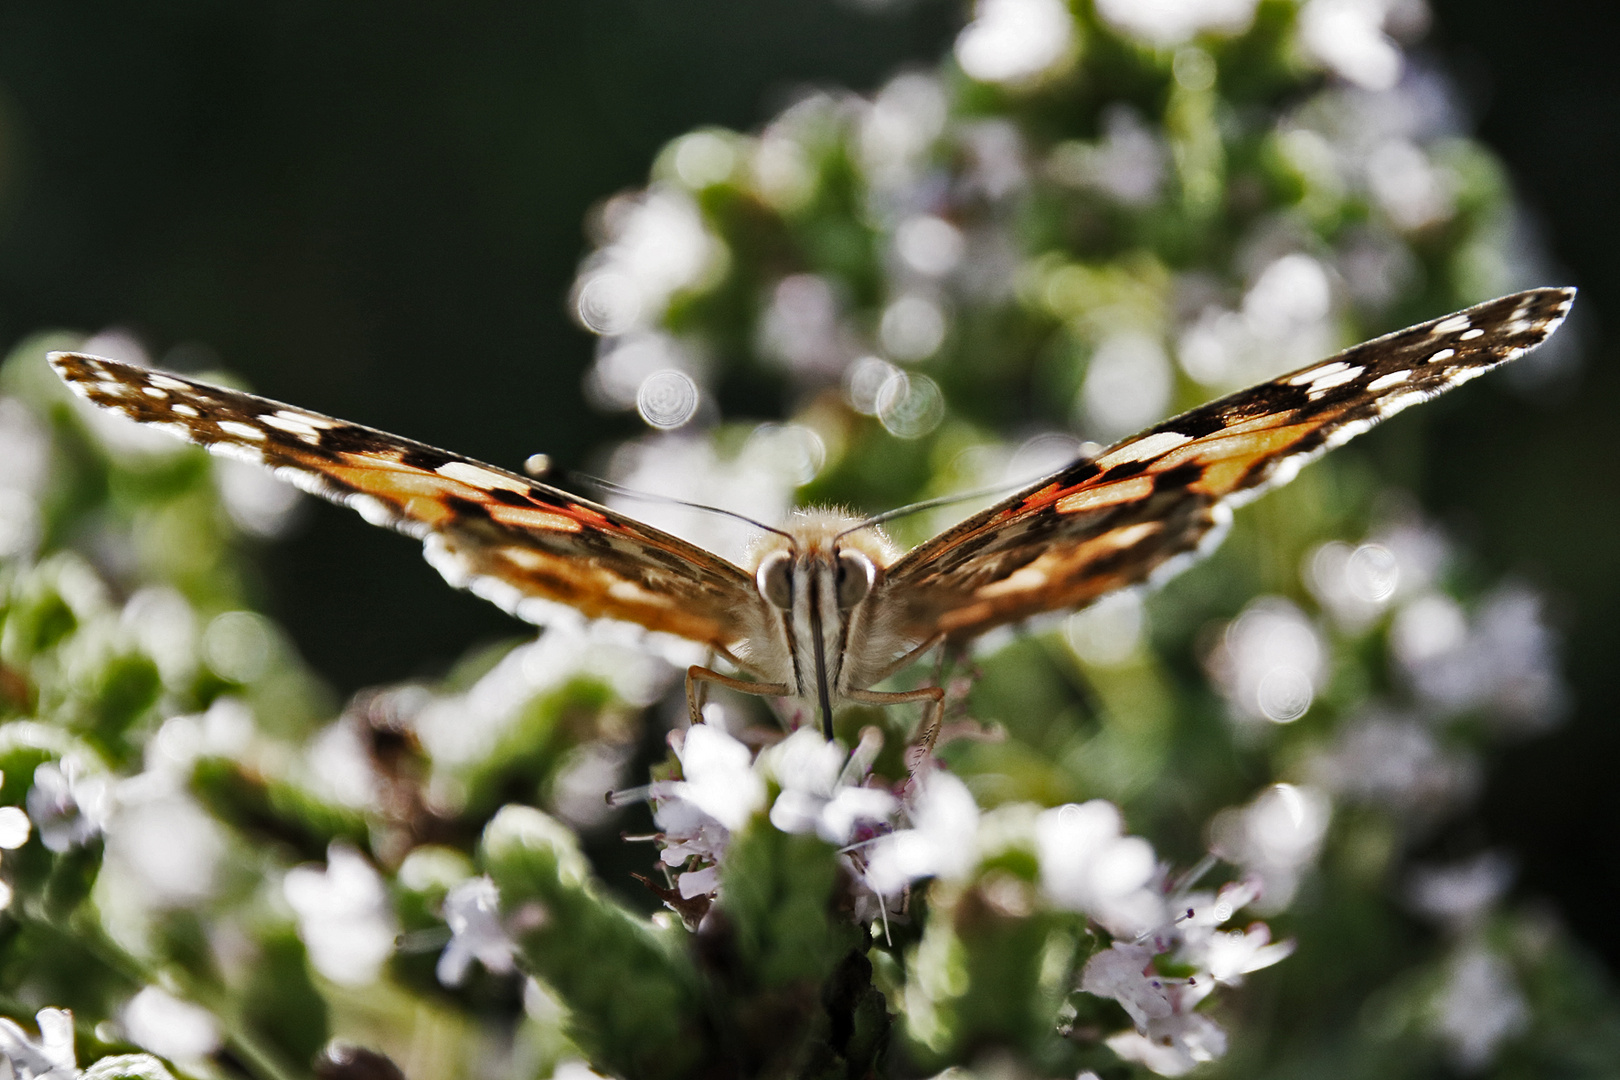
point(817, 794)
point(69, 804)
point(1088, 865)
point(1270, 662)
point(51, 1058)
point(344, 917)
point(1170, 1037)
point(942, 842)
point(1480, 1008)
point(472, 911)
point(1171, 22)
point(720, 780)
point(1276, 838)
point(165, 1025)
point(1347, 37)
point(1013, 41)
point(1174, 1046)
point(1125, 973)
point(696, 815)
point(1232, 954)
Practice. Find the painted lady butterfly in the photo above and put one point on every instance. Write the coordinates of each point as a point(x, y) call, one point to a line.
point(828, 607)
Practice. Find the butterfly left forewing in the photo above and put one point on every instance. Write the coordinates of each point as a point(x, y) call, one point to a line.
point(1112, 521)
point(524, 545)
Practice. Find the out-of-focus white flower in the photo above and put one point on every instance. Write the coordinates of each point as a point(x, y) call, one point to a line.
point(675, 466)
point(1127, 385)
point(460, 729)
point(928, 245)
point(1088, 864)
point(165, 626)
point(1015, 41)
point(472, 910)
point(898, 129)
point(912, 328)
point(1413, 191)
point(942, 842)
point(1396, 763)
point(1504, 660)
point(1111, 631)
point(1275, 838)
point(15, 829)
point(1480, 1008)
point(51, 1057)
point(657, 245)
point(175, 1029)
point(803, 326)
point(1347, 37)
point(258, 501)
point(1355, 584)
point(339, 766)
point(625, 363)
point(162, 848)
point(818, 793)
point(24, 460)
point(1283, 323)
point(1171, 22)
point(1460, 895)
point(583, 780)
point(344, 916)
point(1271, 662)
point(69, 804)
point(1130, 163)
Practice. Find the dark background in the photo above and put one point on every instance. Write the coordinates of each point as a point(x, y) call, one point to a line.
point(375, 210)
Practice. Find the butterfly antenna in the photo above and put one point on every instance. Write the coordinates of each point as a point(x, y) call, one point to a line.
point(929, 504)
point(611, 488)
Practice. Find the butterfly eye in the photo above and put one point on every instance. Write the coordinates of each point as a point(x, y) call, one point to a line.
point(855, 576)
point(775, 579)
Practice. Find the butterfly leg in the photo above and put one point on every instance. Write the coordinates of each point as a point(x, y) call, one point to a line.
point(697, 673)
point(932, 719)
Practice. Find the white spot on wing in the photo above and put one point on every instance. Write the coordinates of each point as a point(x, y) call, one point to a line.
point(1394, 378)
point(1476, 332)
point(1451, 325)
point(184, 409)
point(1326, 371)
point(320, 423)
point(157, 378)
point(241, 430)
point(480, 477)
point(154, 392)
point(293, 425)
point(1443, 354)
point(1145, 448)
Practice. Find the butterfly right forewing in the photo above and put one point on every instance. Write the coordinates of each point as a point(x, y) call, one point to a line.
point(1112, 521)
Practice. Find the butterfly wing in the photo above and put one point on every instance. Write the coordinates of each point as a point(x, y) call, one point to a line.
point(1112, 521)
point(523, 545)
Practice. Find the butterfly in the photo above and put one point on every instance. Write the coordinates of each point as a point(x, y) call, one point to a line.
point(827, 607)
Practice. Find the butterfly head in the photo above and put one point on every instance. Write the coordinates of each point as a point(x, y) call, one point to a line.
point(815, 583)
